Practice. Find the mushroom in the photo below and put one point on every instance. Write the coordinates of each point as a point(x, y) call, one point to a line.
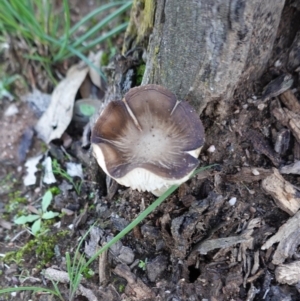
point(149, 141)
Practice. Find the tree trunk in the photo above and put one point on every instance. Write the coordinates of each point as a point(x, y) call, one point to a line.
point(202, 50)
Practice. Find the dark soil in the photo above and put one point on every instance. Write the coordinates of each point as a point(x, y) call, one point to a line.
point(162, 259)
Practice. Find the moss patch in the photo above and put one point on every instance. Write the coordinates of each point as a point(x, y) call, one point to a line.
point(140, 73)
point(140, 25)
point(40, 248)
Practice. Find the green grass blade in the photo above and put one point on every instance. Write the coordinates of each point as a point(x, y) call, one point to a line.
point(107, 35)
point(66, 29)
point(97, 27)
point(57, 290)
point(95, 12)
point(86, 60)
point(28, 288)
point(36, 57)
point(30, 7)
point(22, 13)
point(78, 54)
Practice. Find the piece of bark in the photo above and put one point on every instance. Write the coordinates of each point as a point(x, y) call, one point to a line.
point(260, 144)
point(282, 141)
point(288, 237)
point(296, 150)
point(156, 267)
point(218, 243)
point(249, 175)
point(294, 55)
point(288, 119)
point(135, 286)
point(290, 101)
point(288, 273)
point(225, 242)
point(283, 193)
point(252, 292)
point(102, 267)
point(293, 168)
point(255, 266)
point(87, 293)
point(277, 86)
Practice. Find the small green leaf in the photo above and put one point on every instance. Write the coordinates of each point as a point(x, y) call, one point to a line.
point(87, 110)
point(35, 228)
point(49, 215)
point(26, 219)
point(47, 198)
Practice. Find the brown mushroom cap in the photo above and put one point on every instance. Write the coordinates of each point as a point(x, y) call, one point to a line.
point(149, 130)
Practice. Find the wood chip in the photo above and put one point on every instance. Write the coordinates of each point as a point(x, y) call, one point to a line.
point(288, 119)
point(282, 143)
point(288, 237)
point(260, 144)
point(277, 86)
point(245, 238)
point(282, 191)
point(247, 175)
point(296, 150)
point(288, 273)
point(294, 53)
point(135, 286)
point(290, 101)
point(218, 243)
point(293, 168)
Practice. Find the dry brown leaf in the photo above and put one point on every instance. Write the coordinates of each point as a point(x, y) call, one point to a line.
point(59, 114)
point(94, 75)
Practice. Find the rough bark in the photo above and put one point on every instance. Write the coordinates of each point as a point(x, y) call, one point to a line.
point(201, 50)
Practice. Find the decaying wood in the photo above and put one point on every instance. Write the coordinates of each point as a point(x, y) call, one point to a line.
point(288, 273)
point(252, 293)
point(282, 143)
point(289, 119)
point(87, 293)
point(244, 238)
point(296, 150)
point(283, 193)
point(102, 265)
point(294, 55)
point(260, 144)
point(277, 86)
point(288, 237)
point(135, 286)
point(220, 46)
point(249, 175)
point(289, 99)
point(192, 224)
point(217, 243)
point(293, 168)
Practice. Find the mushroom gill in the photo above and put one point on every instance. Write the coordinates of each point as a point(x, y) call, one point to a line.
point(148, 141)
